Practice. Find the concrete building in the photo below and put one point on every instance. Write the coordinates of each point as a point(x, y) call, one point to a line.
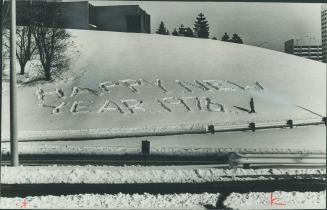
point(83, 15)
point(324, 31)
point(128, 18)
point(306, 48)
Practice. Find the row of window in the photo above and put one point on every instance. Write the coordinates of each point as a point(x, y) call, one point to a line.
point(309, 55)
point(308, 49)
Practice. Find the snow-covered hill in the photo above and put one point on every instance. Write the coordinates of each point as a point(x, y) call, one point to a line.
point(131, 82)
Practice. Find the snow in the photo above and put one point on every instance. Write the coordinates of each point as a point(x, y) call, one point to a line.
point(262, 141)
point(252, 200)
point(115, 201)
point(141, 83)
point(125, 83)
point(138, 174)
point(291, 200)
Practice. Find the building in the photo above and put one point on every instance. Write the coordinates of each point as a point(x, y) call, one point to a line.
point(324, 31)
point(128, 18)
point(83, 15)
point(306, 48)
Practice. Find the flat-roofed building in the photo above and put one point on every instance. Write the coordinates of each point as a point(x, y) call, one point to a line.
point(324, 31)
point(304, 48)
point(84, 15)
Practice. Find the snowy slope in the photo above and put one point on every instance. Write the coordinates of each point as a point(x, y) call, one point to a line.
point(135, 82)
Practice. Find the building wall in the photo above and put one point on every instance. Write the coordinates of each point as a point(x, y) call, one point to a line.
point(83, 15)
point(76, 15)
point(114, 18)
point(324, 31)
point(313, 52)
point(310, 51)
point(289, 46)
point(145, 21)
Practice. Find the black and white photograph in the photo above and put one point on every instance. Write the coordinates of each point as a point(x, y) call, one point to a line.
point(163, 104)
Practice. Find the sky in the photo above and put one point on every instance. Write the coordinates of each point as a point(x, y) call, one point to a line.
point(267, 25)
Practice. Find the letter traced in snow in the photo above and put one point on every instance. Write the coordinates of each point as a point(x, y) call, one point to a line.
point(158, 84)
point(110, 106)
point(57, 109)
point(259, 85)
point(196, 84)
point(210, 105)
point(196, 100)
point(105, 86)
point(60, 92)
point(212, 83)
point(163, 105)
point(40, 96)
point(133, 104)
point(176, 101)
point(237, 85)
point(80, 107)
point(74, 91)
point(131, 84)
point(77, 90)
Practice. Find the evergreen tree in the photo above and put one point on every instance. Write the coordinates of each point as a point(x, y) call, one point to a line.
point(225, 38)
point(162, 29)
point(236, 39)
point(175, 33)
point(201, 26)
point(188, 32)
point(214, 38)
point(181, 30)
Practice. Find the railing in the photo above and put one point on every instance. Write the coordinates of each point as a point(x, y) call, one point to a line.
point(236, 159)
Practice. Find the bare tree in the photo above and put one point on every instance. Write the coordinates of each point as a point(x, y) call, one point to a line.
point(50, 38)
point(5, 20)
point(51, 44)
point(40, 32)
point(26, 45)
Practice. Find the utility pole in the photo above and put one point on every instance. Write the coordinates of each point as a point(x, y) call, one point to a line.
point(13, 89)
point(1, 27)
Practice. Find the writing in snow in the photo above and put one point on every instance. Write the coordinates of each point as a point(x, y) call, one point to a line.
point(85, 100)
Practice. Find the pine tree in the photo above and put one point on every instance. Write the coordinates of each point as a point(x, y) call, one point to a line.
point(175, 33)
point(201, 26)
point(236, 39)
point(225, 38)
point(181, 30)
point(162, 29)
point(188, 32)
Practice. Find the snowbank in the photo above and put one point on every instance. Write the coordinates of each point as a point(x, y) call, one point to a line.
point(82, 149)
point(253, 200)
point(285, 200)
point(137, 174)
point(115, 201)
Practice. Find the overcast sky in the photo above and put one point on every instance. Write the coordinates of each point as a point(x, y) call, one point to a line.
point(256, 23)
